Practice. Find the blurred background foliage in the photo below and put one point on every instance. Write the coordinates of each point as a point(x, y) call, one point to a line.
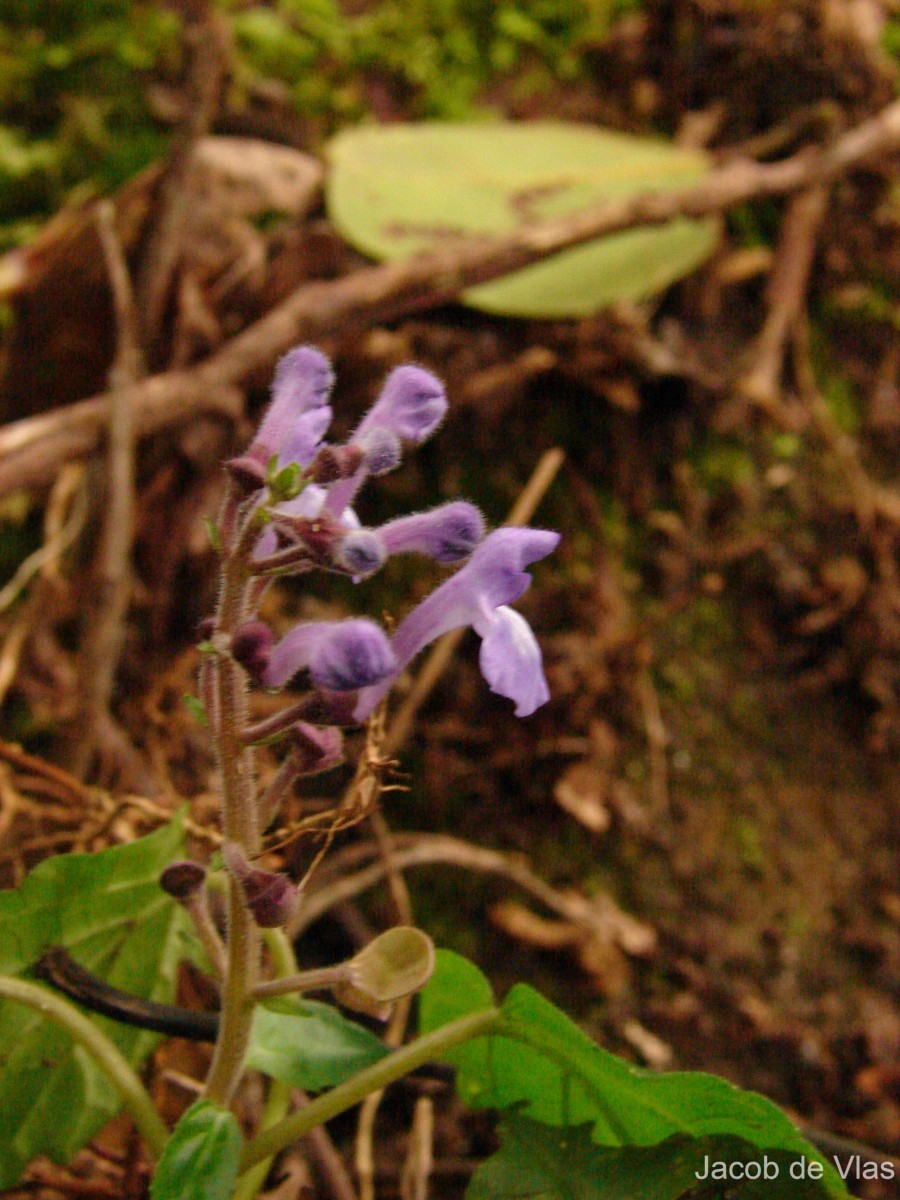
point(86, 87)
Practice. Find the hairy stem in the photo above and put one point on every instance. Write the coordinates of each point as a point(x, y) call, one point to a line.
point(371, 1079)
point(304, 981)
point(240, 826)
point(104, 1053)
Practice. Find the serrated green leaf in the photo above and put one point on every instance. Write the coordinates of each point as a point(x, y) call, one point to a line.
point(560, 1077)
point(109, 911)
point(563, 1163)
point(200, 1161)
point(310, 1045)
point(395, 190)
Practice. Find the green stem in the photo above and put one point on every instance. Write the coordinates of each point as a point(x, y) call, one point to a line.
point(105, 1054)
point(281, 952)
point(371, 1079)
point(278, 1100)
point(304, 981)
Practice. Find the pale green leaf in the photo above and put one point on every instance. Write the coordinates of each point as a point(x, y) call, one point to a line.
point(398, 189)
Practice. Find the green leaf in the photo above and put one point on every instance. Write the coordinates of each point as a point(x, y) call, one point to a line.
point(110, 912)
point(310, 1045)
point(200, 1161)
point(457, 988)
point(560, 1077)
point(563, 1163)
point(395, 190)
point(536, 1160)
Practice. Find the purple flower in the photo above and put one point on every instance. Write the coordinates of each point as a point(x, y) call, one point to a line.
point(360, 552)
point(295, 421)
point(446, 534)
point(380, 448)
point(341, 656)
point(251, 646)
point(271, 897)
point(302, 443)
point(302, 384)
point(183, 880)
point(411, 406)
point(478, 595)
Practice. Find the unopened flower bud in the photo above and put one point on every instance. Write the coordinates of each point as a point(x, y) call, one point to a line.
point(302, 383)
point(271, 897)
point(327, 466)
point(340, 655)
point(446, 534)
point(381, 450)
point(183, 880)
point(248, 470)
point(251, 646)
point(336, 462)
point(412, 404)
point(314, 750)
point(352, 654)
point(360, 553)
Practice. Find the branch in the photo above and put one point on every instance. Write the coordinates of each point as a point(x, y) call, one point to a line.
point(32, 450)
point(599, 916)
point(102, 631)
point(207, 63)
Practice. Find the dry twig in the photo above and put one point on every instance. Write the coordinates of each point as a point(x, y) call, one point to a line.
point(103, 625)
point(64, 520)
point(420, 1156)
point(598, 916)
point(205, 40)
point(787, 288)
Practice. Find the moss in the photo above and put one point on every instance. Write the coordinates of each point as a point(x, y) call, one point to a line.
point(721, 465)
point(73, 106)
point(749, 843)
